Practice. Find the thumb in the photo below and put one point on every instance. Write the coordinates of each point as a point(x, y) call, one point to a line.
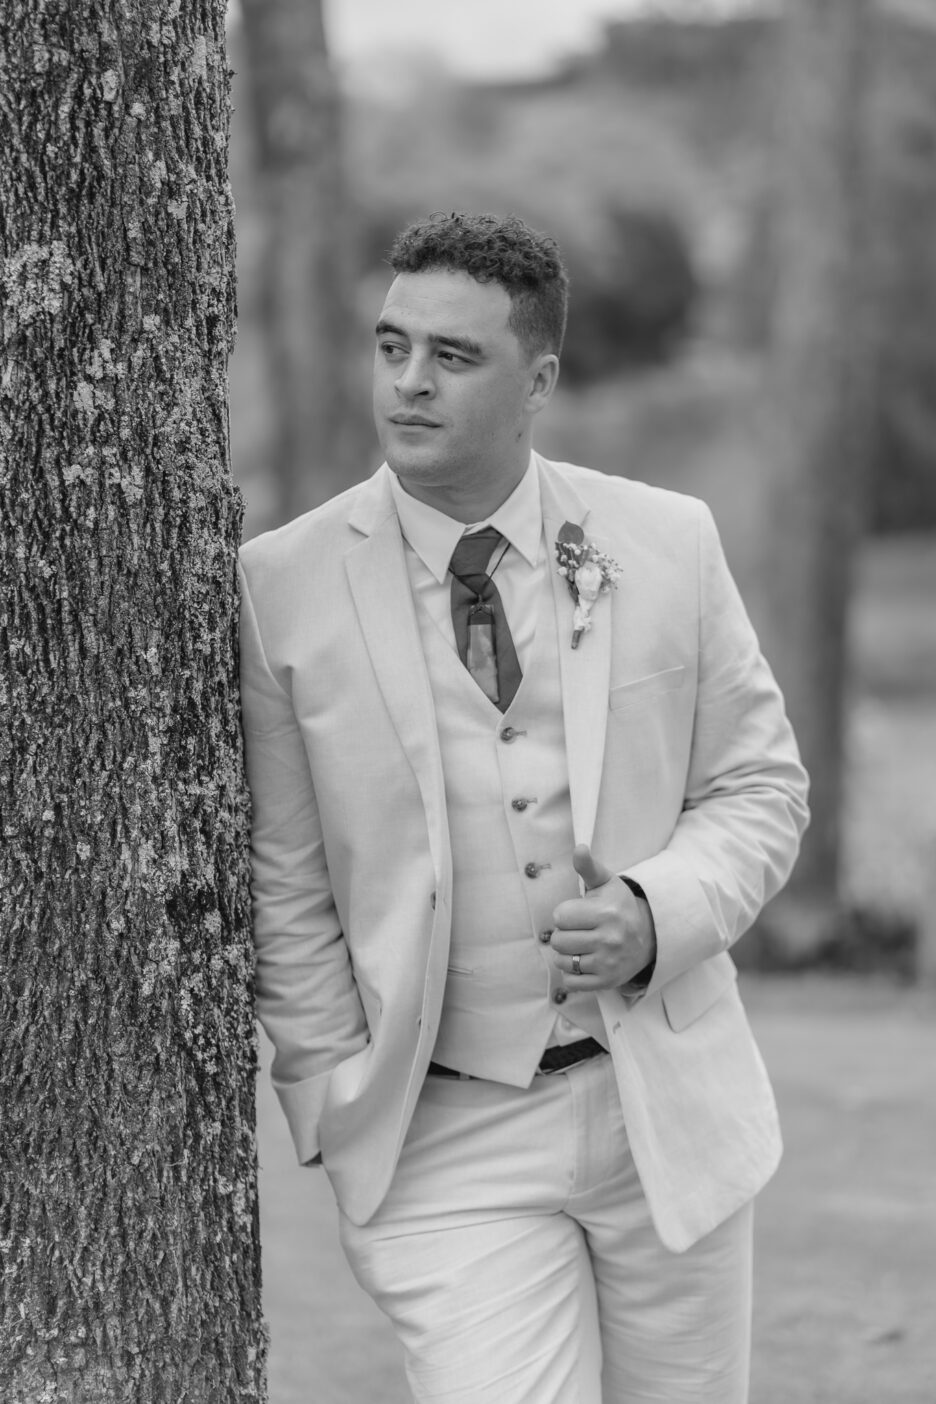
point(592, 873)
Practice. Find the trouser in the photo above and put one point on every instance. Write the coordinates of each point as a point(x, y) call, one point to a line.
point(516, 1259)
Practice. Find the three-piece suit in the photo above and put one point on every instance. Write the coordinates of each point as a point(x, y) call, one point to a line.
point(410, 841)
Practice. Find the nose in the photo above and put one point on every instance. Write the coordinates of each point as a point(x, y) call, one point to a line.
point(415, 379)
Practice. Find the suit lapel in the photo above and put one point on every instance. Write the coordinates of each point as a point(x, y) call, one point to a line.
point(585, 671)
point(379, 584)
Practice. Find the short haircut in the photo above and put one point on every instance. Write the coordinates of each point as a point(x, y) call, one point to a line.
point(526, 264)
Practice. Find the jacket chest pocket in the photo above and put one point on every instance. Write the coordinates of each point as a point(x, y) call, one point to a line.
point(636, 693)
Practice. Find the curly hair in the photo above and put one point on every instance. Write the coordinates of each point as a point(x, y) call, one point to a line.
point(526, 264)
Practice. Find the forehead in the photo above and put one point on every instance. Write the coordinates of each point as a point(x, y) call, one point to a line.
point(445, 303)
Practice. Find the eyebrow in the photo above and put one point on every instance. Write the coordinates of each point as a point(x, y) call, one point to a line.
point(457, 343)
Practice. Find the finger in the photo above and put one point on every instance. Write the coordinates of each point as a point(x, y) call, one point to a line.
point(570, 943)
point(583, 981)
point(577, 966)
point(592, 873)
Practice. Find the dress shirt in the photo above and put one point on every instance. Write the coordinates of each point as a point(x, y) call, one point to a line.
point(430, 537)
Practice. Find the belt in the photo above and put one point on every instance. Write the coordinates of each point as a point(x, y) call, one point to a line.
point(558, 1059)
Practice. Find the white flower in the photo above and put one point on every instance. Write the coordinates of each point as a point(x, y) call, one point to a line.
point(589, 580)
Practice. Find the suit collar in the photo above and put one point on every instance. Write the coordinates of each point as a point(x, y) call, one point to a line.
point(372, 503)
point(561, 501)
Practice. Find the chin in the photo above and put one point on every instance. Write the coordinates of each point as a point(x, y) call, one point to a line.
point(416, 469)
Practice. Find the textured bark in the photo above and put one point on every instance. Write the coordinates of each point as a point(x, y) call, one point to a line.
point(819, 375)
point(306, 299)
point(128, 1223)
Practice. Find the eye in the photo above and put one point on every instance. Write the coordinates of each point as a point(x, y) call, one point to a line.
point(390, 350)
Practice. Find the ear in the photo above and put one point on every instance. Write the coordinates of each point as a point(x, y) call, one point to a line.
point(543, 374)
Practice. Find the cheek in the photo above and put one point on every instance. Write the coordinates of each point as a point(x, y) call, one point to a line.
point(494, 401)
point(503, 416)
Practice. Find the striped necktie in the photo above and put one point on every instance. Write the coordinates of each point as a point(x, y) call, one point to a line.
point(482, 634)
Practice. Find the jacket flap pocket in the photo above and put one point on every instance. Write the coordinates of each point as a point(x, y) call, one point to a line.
point(686, 998)
point(630, 693)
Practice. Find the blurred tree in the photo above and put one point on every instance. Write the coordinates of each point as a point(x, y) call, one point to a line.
point(632, 304)
point(818, 382)
point(306, 299)
point(900, 131)
point(904, 428)
point(128, 1198)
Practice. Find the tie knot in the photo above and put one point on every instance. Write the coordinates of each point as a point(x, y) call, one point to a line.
point(473, 553)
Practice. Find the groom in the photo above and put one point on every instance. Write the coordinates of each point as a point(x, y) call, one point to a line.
point(520, 777)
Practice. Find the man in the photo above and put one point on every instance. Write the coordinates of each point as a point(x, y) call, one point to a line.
point(507, 823)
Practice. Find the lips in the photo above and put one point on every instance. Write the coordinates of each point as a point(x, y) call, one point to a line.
point(414, 421)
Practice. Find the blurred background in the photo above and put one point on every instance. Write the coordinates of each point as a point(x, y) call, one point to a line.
point(745, 194)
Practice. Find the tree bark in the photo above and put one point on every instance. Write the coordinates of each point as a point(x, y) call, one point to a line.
point(307, 308)
point(128, 1201)
point(818, 384)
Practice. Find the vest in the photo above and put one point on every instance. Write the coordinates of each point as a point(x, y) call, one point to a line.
point(510, 821)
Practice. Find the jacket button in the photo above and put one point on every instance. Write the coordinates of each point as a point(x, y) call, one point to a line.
point(507, 734)
point(560, 996)
point(546, 936)
point(532, 870)
point(519, 805)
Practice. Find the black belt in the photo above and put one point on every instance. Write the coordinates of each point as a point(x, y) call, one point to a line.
point(557, 1059)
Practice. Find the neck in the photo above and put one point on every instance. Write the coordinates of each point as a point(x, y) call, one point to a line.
point(461, 507)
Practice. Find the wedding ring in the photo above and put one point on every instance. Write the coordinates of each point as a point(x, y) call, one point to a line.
point(576, 965)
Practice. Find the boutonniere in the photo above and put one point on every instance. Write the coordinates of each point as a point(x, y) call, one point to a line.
point(588, 573)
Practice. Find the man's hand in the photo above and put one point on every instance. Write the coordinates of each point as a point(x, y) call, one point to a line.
point(609, 929)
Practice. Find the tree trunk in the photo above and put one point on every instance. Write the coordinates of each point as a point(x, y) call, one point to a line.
point(128, 1203)
point(818, 384)
point(306, 300)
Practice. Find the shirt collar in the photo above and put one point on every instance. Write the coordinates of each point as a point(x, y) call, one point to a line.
point(433, 535)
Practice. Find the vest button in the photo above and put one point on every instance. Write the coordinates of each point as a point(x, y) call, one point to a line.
point(519, 805)
point(560, 996)
point(532, 870)
point(507, 734)
point(545, 937)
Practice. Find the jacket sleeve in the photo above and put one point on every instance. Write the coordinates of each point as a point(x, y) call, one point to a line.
point(306, 997)
point(745, 810)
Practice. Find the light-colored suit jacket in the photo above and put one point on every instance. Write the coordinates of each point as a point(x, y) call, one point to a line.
point(684, 775)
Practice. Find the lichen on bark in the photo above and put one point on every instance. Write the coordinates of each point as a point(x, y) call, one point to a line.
point(128, 1206)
